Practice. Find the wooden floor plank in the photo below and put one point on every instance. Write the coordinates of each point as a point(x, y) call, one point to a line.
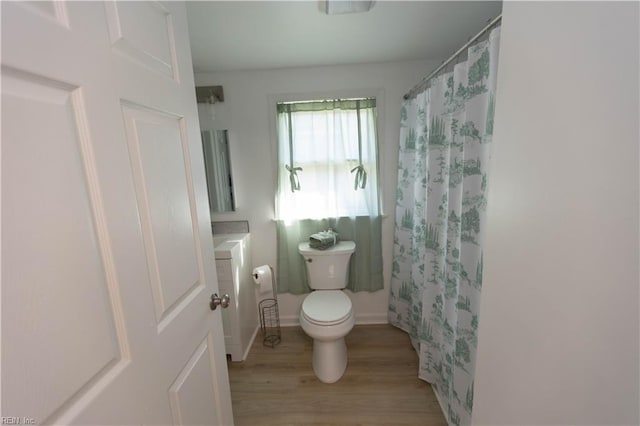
point(276, 386)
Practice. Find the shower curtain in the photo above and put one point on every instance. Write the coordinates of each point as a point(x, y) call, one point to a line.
point(436, 278)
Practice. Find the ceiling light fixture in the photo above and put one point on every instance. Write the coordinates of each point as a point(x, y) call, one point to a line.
point(339, 7)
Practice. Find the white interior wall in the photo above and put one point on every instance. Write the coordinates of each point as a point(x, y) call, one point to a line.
point(246, 114)
point(558, 337)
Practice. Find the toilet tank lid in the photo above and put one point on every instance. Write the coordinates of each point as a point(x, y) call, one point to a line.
point(342, 247)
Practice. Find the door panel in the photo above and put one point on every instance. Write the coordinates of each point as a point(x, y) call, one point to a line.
point(57, 253)
point(191, 394)
point(107, 254)
point(157, 147)
point(143, 31)
point(55, 10)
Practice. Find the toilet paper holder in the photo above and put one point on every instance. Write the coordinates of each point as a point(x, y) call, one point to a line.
point(270, 322)
point(268, 308)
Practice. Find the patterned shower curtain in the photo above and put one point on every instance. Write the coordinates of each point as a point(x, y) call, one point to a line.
point(445, 140)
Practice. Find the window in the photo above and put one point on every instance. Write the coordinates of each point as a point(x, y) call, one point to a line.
point(327, 159)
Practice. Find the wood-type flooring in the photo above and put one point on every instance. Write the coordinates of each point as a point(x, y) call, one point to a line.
point(276, 386)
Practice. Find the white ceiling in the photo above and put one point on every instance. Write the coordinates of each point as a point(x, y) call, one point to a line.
point(244, 35)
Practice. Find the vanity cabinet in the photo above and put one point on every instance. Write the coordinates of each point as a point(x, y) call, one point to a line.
point(240, 319)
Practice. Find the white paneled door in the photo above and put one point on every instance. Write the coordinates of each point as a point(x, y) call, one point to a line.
point(107, 255)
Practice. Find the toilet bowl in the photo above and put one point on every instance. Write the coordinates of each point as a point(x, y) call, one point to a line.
point(327, 317)
point(327, 313)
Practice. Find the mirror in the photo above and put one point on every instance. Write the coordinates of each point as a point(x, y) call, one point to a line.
point(215, 144)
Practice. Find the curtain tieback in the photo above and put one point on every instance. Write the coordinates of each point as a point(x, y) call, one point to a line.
point(293, 177)
point(361, 176)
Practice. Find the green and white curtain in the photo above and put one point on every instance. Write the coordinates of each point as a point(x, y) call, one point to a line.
point(445, 140)
point(328, 178)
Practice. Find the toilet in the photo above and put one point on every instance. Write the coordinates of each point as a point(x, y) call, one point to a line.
point(327, 314)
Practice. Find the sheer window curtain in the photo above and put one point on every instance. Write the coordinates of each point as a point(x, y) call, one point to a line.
point(327, 179)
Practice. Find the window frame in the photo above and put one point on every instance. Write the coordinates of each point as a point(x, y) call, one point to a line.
point(376, 93)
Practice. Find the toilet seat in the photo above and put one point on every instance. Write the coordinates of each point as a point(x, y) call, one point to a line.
point(326, 307)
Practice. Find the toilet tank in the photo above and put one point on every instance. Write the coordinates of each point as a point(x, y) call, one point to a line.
point(327, 269)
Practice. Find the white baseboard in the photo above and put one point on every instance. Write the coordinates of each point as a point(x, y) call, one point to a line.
point(293, 320)
point(289, 321)
point(246, 352)
point(372, 319)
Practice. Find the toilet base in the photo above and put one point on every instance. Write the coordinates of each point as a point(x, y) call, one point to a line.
point(329, 348)
point(329, 359)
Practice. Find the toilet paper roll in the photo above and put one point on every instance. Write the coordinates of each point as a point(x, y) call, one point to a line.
point(263, 277)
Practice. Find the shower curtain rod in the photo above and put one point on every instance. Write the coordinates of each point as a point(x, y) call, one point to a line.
point(423, 83)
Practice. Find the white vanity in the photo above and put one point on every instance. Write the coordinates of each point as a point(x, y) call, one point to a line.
point(240, 319)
